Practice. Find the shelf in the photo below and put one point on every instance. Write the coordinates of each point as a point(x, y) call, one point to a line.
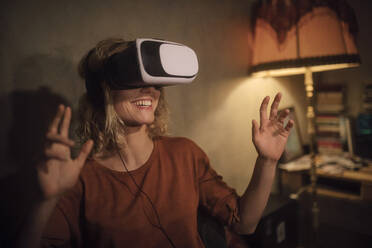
point(350, 185)
point(337, 194)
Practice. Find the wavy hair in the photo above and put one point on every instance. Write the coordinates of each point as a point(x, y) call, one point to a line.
point(98, 119)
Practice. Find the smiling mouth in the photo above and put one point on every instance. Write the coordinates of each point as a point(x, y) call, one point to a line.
point(143, 103)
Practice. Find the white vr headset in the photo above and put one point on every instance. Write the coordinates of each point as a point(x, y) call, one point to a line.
point(151, 62)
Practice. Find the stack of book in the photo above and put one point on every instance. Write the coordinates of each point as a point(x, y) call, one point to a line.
point(331, 135)
point(367, 103)
point(330, 121)
point(330, 102)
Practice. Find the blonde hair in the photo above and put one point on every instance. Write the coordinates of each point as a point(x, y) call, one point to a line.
point(98, 119)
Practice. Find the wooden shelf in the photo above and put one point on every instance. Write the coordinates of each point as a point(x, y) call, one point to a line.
point(349, 185)
point(362, 175)
point(337, 194)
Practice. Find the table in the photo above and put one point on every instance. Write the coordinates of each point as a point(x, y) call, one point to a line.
point(355, 185)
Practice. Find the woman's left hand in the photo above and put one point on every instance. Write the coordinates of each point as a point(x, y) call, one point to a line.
point(270, 137)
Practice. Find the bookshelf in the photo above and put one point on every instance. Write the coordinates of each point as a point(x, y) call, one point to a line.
point(331, 131)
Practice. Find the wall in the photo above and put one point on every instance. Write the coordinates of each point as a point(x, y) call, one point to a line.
point(42, 42)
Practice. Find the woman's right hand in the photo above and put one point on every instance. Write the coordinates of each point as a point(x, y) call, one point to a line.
point(59, 172)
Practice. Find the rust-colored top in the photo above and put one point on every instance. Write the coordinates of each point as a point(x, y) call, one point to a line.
point(106, 208)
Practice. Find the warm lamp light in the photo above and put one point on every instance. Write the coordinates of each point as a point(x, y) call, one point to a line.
point(301, 37)
point(292, 35)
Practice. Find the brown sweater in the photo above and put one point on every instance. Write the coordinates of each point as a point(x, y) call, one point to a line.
point(106, 208)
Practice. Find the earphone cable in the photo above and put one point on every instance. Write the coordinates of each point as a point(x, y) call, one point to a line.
point(160, 227)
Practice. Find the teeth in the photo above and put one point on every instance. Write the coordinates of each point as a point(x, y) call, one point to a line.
point(143, 103)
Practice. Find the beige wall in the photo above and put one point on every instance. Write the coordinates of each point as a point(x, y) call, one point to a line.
point(42, 42)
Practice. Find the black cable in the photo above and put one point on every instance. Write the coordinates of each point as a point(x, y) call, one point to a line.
point(160, 227)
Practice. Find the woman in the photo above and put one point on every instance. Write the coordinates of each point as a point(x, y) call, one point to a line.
point(138, 188)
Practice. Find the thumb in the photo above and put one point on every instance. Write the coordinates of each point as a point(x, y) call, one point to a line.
point(84, 152)
point(254, 128)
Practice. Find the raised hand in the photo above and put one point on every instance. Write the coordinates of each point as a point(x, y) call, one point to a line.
point(270, 137)
point(59, 172)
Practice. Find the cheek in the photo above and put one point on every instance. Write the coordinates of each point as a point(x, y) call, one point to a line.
point(157, 99)
point(122, 109)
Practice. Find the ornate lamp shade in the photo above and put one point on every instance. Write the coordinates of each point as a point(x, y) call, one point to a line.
point(292, 36)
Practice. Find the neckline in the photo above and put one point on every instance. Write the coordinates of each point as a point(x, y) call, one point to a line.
point(136, 171)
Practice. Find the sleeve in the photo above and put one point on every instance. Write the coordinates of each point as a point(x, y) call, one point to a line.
point(215, 196)
point(62, 229)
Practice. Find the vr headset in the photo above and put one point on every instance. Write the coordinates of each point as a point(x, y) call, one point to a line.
point(151, 62)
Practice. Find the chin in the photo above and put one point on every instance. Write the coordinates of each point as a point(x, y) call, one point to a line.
point(147, 120)
point(139, 123)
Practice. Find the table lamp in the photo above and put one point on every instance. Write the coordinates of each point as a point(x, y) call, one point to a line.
point(301, 37)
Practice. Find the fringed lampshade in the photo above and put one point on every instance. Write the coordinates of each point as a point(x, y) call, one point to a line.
point(290, 35)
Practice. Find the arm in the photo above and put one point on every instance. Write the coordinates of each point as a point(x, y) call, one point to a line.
point(269, 139)
point(56, 174)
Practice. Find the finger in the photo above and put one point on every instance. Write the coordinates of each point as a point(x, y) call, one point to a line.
point(255, 128)
point(66, 122)
point(84, 152)
point(55, 156)
point(283, 114)
point(263, 110)
point(274, 106)
point(289, 125)
point(53, 128)
point(57, 152)
point(51, 137)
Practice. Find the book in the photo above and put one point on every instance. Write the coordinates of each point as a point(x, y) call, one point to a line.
point(330, 123)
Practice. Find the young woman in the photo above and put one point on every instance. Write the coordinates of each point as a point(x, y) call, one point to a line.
point(131, 186)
